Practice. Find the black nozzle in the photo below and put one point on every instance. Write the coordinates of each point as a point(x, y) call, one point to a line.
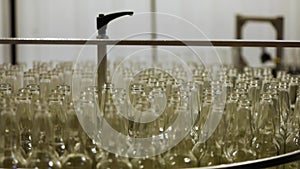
point(103, 20)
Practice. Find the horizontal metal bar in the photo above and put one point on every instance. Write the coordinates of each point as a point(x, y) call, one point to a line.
point(260, 163)
point(224, 43)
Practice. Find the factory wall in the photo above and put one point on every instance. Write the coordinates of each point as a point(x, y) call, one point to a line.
point(76, 19)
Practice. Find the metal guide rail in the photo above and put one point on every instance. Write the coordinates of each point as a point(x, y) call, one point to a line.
point(260, 163)
point(221, 43)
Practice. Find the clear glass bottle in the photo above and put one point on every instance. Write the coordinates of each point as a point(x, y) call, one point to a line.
point(240, 148)
point(25, 117)
point(207, 153)
point(6, 90)
point(75, 157)
point(11, 78)
point(45, 85)
point(203, 114)
point(35, 94)
point(59, 119)
point(292, 89)
point(148, 162)
point(292, 142)
point(149, 130)
point(29, 78)
point(43, 155)
point(181, 156)
point(284, 104)
point(254, 95)
point(12, 155)
point(264, 142)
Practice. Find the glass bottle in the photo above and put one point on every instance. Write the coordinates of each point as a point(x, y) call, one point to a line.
point(181, 156)
point(203, 114)
point(35, 94)
point(54, 79)
point(254, 94)
point(11, 78)
point(207, 152)
point(66, 92)
point(75, 157)
point(6, 90)
point(280, 134)
point(149, 129)
point(12, 155)
point(284, 103)
point(292, 89)
point(284, 108)
point(209, 149)
point(111, 160)
point(59, 119)
point(76, 88)
point(45, 82)
point(240, 148)
point(292, 142)
point(264, 141)
point(43, 155)
point(25, 117)
point(148, 162)
point(29, 78)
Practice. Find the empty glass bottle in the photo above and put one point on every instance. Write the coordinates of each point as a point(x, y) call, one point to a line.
point(239, 148)
point(75, 157)
point(264, 142)
point(181, 156)
point(59, 119)
point(12, 156)
point(25, 117)
point(43, 155)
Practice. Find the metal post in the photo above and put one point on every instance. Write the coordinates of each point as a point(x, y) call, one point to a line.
point(153, 29)
point(239, 25)
point(278, 25)
point(13, 30)
point(102, 67)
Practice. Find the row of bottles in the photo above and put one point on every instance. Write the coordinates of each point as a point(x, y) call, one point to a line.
point(48, 111)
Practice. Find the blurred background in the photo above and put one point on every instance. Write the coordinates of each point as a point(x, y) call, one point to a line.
point(76, 19)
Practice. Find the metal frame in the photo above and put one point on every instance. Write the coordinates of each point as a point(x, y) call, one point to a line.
point(260, 163)
point(276, 22)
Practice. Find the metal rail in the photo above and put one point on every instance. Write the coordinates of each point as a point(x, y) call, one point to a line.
point(260, 163)
point(221, 43)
